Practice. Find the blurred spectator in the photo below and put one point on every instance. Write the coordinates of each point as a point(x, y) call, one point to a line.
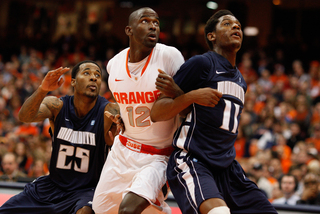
point(314, 166)
point(299, 172)
point(283, 152)
point(10, 168)
point(314, 74)
point(288, 186)
point(315, 109)
point(265, 81)
point(298, 70)
point(295, 135)
point(303, 115)
point(246, 69)
point(23, 159)
point(311, 192)
point(240, 144)
point(263, 183)
point(315, 137)
point(264, 135)
point(301, 154)
point(279, 77)
point(38, 169)
point(275, 168)
point(276, 192)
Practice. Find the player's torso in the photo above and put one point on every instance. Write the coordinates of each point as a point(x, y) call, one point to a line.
point(213, 130)
point(136, 95)
point(79, 149)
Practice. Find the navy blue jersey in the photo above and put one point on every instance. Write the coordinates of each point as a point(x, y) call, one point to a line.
point(209, 133)
point(78, 147)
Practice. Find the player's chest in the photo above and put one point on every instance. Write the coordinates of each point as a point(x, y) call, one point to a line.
point(122, 81)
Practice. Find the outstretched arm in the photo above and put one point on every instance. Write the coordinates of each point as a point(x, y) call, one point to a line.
point(166, 108)
point(37, 108)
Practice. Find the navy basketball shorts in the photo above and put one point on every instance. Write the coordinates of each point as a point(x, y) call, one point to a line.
point(193, 182)
point(42, 196)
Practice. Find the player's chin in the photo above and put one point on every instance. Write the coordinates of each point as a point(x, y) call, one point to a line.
point(237, 44)
point(151, 44)
point(92, 95)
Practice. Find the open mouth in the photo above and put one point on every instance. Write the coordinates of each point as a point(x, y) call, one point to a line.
point(152, 37)
point(236, 34)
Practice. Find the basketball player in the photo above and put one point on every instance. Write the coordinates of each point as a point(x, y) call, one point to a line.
point(135, 170)
point(202, 171)
point(79, 146)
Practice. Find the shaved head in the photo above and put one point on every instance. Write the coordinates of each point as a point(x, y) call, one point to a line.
point(136, 14)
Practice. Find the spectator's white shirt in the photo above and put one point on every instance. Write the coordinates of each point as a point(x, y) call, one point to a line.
point(290, 201)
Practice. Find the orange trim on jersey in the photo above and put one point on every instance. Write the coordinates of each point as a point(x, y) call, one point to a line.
point(145, 66)
point(142, 148)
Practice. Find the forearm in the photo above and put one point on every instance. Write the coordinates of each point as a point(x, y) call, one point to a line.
point(185, 112)
point(167, 108)
point(31, 106)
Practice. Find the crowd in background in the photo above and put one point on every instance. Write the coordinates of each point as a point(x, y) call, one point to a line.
point(279, 130)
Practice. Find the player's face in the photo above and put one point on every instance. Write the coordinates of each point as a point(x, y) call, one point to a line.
point(228, 33)
point(146, 29)
point(88, 80)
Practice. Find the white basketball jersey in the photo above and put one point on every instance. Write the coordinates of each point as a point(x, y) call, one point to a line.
point(136, 94)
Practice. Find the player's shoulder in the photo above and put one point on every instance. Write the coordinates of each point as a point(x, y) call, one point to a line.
point(117, 59)
point(166, 49)
point(102, 100)
point(200, 59)
point(119, 56)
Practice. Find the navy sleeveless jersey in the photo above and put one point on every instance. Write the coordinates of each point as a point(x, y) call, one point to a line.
point(209, 133)
point(78, 147)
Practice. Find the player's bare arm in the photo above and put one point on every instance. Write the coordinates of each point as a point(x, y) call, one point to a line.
point(111, 128)
point(168, 88)
point(39, 107)
point(166, 108)
point(166, 85)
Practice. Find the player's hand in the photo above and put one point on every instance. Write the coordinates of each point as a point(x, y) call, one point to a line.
point(206, 96)
point(117, 120)
point(53, 79)
point(166, 85)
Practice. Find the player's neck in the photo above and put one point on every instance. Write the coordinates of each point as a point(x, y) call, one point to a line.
point(82, 105)
point(229, 55)
point(138, 54)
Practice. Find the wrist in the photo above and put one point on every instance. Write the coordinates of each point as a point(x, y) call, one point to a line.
point(41, 90)
point(190, 97)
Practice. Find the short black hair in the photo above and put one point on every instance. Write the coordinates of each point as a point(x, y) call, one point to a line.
point(296, 182)
point(212, 23)
point(75, 69)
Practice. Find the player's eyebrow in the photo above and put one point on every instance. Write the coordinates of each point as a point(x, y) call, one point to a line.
point(148, 16)
point(229, 19)
point(89, 69)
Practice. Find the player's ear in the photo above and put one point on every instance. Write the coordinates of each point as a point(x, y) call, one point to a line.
point(211, 36)
point(73, 82)
point(128, 30)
